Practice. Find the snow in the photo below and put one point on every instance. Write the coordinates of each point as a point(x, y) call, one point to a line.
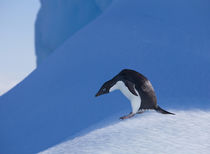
point(58, 20)
point(166, 41)
point(186, 132)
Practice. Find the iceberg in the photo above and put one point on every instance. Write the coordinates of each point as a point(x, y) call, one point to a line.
point(167, 41)
point(58, 20)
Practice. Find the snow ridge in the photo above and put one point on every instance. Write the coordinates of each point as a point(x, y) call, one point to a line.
point(186, 132)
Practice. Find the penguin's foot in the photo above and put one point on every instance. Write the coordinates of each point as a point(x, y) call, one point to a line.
point(127, 116)
point(140, 112)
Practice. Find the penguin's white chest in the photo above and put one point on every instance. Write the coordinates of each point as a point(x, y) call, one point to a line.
point(135, 100)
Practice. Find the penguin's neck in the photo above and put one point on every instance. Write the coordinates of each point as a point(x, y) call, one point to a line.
point(135, 100)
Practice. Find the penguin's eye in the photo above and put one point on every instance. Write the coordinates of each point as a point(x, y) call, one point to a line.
point(104, 89)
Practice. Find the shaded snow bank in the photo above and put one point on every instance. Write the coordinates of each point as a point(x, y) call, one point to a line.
point(58, 20)
point(186, 132)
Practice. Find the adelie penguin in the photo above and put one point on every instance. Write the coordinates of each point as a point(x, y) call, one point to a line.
point(137, 88)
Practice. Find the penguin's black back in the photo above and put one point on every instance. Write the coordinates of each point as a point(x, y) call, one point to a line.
point(142, 85)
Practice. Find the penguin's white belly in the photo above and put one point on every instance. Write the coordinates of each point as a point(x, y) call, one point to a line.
point(135, 100)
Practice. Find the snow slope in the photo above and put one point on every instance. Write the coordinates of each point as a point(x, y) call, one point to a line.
point(58, 20)
point(186, 132)
point(166, 41)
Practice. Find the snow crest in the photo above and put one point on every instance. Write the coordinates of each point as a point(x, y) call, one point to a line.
point(186, 132)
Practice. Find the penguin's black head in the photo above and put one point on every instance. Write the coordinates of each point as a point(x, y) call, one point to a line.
point(105, 88)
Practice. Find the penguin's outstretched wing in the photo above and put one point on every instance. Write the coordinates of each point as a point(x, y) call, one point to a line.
point(130, 86)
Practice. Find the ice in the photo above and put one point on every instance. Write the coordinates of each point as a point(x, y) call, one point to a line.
point(166, 41)
point(58, 20)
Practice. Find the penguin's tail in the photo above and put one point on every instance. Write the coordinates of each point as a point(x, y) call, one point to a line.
point(160, 110)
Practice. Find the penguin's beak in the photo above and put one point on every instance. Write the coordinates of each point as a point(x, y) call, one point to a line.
point(98, 94)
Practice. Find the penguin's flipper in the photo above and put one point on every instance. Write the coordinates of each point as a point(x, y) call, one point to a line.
point(130, 86)
point(160, 110)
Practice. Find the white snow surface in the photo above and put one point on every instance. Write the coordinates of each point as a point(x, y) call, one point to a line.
point(186, 132)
